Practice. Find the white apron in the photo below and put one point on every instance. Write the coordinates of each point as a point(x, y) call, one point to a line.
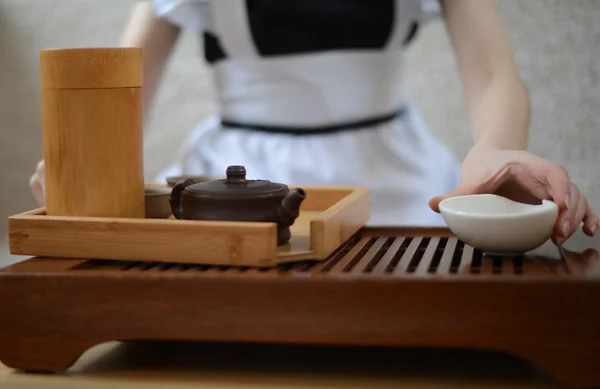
point(398, 159)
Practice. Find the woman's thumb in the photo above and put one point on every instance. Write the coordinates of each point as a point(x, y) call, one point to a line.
point(490, 185)
point(461, 190)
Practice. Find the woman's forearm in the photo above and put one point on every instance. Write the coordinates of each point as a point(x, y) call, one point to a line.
point(497, 101)
point(157, 38)
point(500, 113)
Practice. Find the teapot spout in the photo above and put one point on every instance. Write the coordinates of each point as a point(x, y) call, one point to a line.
point(289, 209)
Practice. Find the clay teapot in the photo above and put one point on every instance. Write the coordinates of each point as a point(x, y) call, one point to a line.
point(237, 199)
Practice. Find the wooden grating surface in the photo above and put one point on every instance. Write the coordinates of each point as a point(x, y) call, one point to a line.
point(371, 253)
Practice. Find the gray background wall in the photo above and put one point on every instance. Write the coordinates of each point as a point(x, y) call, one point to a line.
point(556, 43)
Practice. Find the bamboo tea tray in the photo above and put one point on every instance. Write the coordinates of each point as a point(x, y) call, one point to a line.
point(328, 217)
point(383, 287)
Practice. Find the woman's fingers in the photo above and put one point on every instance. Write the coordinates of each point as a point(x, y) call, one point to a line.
point(570, 219)
point(37, 190)
point(578, 215)
point(559, 185)
point(567, 197)
point(37, 183)
point(590, 220)
point(40, 167)
point(575, 213)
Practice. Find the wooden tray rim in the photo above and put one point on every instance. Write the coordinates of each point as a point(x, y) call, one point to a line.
point(317, 250)
point(352, 194)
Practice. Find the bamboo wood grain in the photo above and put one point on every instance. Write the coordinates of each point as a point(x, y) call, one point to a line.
point(91, 68)
point(187, 241)
point(340, 221)
point(183, 241)
point(92, 132)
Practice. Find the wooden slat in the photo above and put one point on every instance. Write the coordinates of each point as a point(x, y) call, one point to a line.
point(45, 265)
point(425, 263)
point(487, 264)
point(508, 266)
point(384, 262)
point(323, 266)
point(346, 259)
point(158, 268)
point(252, 272)
point(500, 264)
point(369, 255)
point(140, 267)
point(494, 264)
point(534, 267)
point(446, 260)
point(93, 267)
point(216, 270)
point(298, 267)
point(407, 256)
point(178, 268)
point(404, 231)
point(466, 260)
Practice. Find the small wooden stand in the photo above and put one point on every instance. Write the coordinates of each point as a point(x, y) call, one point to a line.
point(384, 287)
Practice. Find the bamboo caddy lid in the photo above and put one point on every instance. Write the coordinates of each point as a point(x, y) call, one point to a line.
point(91, 68)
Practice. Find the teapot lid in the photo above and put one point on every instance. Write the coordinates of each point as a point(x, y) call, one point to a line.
point(236, 185)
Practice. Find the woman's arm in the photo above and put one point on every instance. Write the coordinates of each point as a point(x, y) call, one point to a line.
point(157, 38)
point(497, 101)
point(498, 107)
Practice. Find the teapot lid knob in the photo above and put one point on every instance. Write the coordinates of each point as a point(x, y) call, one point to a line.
point(236, 173)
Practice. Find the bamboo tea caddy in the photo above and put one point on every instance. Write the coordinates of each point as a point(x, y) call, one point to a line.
point(92, 131)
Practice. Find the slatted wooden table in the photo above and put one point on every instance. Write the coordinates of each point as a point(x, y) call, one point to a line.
point(384, 287)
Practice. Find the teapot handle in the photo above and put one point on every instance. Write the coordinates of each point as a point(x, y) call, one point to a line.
point(175, 198)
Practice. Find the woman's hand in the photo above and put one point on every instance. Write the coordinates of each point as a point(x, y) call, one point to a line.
point(498, 107)
point(525, 177)
point(37, 184)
